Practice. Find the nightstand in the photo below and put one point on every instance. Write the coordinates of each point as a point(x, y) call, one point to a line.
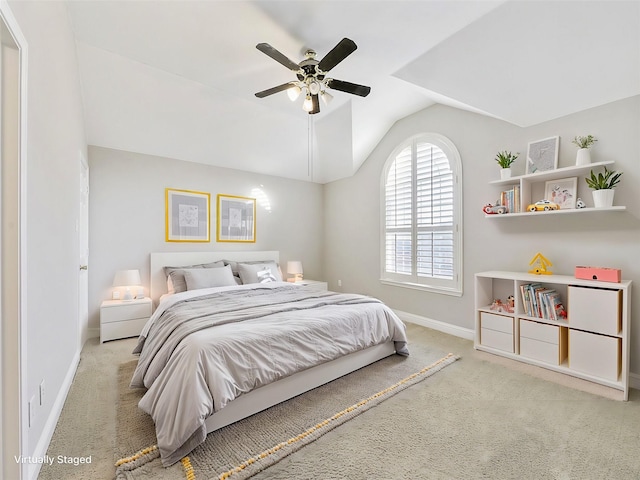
point(123, 318)
point(314, 285)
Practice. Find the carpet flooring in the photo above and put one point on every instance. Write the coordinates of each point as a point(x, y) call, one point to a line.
point(483, 417)
point(246, 447)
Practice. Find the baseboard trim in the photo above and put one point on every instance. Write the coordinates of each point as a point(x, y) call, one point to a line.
point(454, 330)
point(634, 380)
point(52, 421)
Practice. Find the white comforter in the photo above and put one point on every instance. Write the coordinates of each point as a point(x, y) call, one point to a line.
point(201, 349)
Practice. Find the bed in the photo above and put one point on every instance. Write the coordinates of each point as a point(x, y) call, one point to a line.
point(214, 355)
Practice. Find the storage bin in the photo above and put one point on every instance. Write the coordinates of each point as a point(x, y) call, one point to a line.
point(496, 331)
point(593, 354)
point(546, 343)
point(594, 309)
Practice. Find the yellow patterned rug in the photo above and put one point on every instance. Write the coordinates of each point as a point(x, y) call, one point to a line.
point(249, 446)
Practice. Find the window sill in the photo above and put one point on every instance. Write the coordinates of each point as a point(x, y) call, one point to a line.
point(425, 288)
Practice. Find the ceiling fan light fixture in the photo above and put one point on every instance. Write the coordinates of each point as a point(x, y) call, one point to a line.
point(326, 97)
point(311, 76)
point(314, 87)
point(293, 93)
point(307, 106)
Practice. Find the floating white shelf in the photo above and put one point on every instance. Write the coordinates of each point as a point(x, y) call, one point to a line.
point(553, 174)
point(560, 212)
point(526, 183)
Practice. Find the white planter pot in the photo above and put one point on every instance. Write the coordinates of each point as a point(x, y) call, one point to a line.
point(505, 173)
point(583, 157)
point(603, 198)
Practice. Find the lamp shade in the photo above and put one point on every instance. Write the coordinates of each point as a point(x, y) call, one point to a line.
point(126, 278)
point(307, 106)
point(294, 267)
point(294, 93)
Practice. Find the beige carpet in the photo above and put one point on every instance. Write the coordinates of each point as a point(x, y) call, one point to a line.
point(245, 448)
point(483, 417)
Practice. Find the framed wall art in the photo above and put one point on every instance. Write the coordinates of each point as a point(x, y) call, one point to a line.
point(562, 191)
point(542, 155)
point(187, 216)
point(236, 219)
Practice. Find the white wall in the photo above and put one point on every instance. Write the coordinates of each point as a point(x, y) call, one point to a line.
point(127, 215)
point(352, 209)
point(55, 136)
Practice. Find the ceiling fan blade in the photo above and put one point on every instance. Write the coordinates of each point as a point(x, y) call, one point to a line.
point(277, 56)
point(348, 87)
point(342, 50)
point(271, 91)
point(316, 105)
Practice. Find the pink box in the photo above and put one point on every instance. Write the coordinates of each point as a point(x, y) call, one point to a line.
point(602, 274)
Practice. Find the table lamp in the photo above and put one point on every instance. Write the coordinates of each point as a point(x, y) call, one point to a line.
point(295, 268)
point(127, 279)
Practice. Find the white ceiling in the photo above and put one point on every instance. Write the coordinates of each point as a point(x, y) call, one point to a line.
point(177, 78)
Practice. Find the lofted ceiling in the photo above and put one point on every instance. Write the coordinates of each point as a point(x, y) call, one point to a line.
point(177, 78)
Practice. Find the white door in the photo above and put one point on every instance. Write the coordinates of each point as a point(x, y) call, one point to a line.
point(83, 249)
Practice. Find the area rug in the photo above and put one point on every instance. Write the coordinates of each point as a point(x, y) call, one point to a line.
point(249, 446)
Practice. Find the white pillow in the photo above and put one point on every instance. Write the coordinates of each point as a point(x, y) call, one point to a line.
point(197, 278)
point(259, 272)
point(175, 277)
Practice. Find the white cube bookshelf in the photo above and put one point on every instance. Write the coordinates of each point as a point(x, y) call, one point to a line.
point(592, 343)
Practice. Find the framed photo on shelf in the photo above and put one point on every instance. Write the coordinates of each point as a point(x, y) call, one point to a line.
point(236, 219)
point(562, 191)
point(186, 216)
point(542, 155)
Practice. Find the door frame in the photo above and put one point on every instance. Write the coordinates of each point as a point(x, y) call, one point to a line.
point(83, 238)
point(13, 368)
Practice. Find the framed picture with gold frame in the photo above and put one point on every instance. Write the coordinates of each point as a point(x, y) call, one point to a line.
point(187, 216)
point(236, 219)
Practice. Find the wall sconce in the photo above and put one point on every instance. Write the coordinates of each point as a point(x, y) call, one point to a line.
point(127, 279)
point(295, 268)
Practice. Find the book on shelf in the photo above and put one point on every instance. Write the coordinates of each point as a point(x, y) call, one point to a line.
point(541, 302)
point(511, 199)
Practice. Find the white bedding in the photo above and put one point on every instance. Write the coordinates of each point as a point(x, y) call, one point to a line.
point(203, 348)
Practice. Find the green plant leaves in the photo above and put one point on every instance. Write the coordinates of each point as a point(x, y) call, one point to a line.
point(603, 181)
point(506, 158)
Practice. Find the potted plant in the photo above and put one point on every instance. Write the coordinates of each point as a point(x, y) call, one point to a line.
point(602, 186)
point(505, 159)
point(584, 144)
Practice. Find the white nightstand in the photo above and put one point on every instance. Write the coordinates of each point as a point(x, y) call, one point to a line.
point(123, 318)
point(314, 285)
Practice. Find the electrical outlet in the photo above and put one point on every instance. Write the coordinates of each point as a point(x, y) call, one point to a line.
point(32, 411)
point(339, 283)
point(41, 390)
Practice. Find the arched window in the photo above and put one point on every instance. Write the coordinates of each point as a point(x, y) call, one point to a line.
point(422, 217)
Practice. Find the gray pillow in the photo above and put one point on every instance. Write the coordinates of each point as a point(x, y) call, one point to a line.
point(259, 272)
point(175, 277)
point(197, 278)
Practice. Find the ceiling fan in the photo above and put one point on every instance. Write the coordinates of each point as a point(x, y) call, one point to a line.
point(311, 73)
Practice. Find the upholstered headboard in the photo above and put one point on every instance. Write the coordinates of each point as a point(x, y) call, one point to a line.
point(158, 280)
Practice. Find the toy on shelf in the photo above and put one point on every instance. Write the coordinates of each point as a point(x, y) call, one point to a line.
point(541, 265)
point(543, 206)
point(580, 203)
point(511, 303)
point(498, 306)
point(493, 209)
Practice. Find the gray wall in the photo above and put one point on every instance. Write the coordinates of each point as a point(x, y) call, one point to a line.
point(56, 142)
point(352, 209)
point(127, 215)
